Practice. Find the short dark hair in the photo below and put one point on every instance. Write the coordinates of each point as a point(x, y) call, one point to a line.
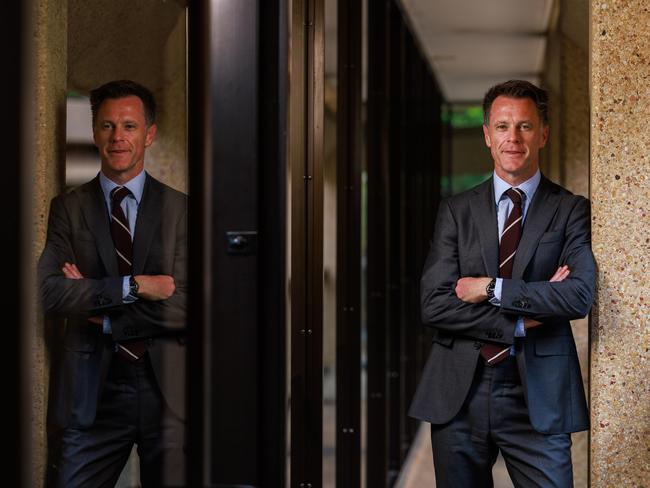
point(122, 89)
point(517, 89)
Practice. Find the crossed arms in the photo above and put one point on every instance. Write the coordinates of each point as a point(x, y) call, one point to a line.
point(457, 304)
point(66, 291)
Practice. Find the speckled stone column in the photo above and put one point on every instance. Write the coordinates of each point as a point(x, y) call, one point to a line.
point(620, 194)
point(49, 40)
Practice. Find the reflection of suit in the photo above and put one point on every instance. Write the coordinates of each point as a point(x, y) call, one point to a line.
point(79, 233)
point(465, 244)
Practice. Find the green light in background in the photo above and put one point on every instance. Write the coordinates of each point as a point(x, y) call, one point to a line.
point(464, 117)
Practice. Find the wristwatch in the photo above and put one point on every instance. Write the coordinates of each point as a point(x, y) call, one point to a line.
point(133, 287)
point(489, 289)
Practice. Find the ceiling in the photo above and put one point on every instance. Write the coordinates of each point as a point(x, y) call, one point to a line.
point(474, 44)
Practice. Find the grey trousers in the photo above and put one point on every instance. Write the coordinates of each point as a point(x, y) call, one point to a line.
point(131, 411)
point(495, 418)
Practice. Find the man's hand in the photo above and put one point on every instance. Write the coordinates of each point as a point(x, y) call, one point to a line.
point(472, 290)
point(155, 287)
point(561, 273)
point(71, 272)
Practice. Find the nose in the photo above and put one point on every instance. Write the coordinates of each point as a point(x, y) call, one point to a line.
point(117, 134)
point(513, 134)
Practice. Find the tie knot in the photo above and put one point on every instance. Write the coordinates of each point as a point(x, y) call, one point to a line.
point(515, 195)
point(119, 193)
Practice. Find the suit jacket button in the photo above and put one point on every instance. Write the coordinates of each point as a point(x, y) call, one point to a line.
point(478, 345)
point(517, 303)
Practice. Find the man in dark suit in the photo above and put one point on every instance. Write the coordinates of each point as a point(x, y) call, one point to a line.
point(114, 265)
point(510, 264)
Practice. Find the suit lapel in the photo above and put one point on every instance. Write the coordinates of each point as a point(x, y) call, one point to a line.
point(149, 215)
point(484, 214)
point(93, 206)
point(540, 213)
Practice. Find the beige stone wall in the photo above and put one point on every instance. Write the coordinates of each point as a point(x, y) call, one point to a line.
point(167, 157)
point(574, 110)
point(620, 194)
point(48, 133)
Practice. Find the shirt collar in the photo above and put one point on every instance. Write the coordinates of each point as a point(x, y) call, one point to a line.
point(529, 187)
point(135, 185)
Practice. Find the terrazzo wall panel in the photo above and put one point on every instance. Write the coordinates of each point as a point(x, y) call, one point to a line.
point(49, 42)
point(620, 195)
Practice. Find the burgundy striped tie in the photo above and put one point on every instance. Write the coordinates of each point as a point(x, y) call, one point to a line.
point(510, 236)
point(123, 241)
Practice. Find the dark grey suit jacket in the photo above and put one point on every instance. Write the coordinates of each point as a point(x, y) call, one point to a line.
point(79, 232)
point(465, 243)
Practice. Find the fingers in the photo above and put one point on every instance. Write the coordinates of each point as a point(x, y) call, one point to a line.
point(561, 274)
point(71, 271)
point(96, 319)
point(530, 323)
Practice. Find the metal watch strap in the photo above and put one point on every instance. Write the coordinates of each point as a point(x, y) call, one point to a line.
point(133, 287)
point(489, 289)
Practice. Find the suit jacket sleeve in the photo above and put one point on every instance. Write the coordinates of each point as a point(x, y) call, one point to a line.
point(60, 294)
point(571, 298)
point(440, 307)
point(161, 316)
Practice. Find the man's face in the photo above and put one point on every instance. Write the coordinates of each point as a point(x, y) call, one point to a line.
point(121, 135)
point(515, 136)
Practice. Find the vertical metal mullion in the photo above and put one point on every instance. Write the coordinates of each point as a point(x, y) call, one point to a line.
point(377, 274)
point(297, 153)
point(394, 250)
point(198, 241)
point(305, 165)
point(348, 335)
point(271, 449)
point(315, 99)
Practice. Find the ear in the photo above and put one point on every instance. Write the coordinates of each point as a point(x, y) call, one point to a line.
point(544, 136)
point(151, 135)
point(486, 134)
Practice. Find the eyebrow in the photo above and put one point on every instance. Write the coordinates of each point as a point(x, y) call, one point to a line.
point(110, 121)
point(504, 121)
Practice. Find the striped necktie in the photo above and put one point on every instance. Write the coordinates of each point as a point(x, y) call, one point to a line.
point(122, 238)
point(123, 241)
point(510, 236)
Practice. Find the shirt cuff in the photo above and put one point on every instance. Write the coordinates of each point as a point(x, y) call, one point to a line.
point(106, 325)
point(520, 329)
point(496, 299)
point(126, 291)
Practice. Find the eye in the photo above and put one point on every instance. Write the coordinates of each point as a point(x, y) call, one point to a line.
point(501, 126)
point(130, 126)
point(106, 125)
point(526, 126)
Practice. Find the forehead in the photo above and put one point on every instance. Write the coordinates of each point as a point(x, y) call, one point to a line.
point(518, 108)
point(125, 107)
